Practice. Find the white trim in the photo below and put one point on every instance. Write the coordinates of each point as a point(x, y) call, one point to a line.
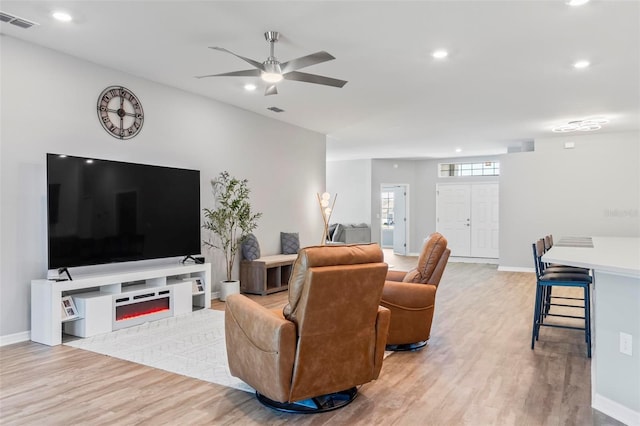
point(10, 339)
point(616, 410)
point(215, 295)
point(515, 269)
point(462, 259)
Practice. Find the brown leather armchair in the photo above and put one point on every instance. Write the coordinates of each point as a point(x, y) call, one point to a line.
point(411, 296)
point(329, 338)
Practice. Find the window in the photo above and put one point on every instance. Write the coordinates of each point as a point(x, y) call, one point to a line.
point(387, 210)
point(486, 168)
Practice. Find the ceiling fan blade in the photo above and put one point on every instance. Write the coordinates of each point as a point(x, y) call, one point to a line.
point(305, 61)
point(271, 90)
point(250, 61)
point(313, 78)
point(245, 73)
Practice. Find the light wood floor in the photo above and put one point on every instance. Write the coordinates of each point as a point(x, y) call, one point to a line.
point(476, 370)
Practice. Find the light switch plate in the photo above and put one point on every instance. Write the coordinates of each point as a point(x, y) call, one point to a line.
point(626, 342)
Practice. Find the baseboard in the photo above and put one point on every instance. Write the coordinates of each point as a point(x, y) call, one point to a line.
point(460, 259)
point(215, 295)
point(10, 339)
point(514, 269)
point(616, 410)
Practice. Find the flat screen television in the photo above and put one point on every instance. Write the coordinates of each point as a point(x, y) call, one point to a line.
point(102, 211)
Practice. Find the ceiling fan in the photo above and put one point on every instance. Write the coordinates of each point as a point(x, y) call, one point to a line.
point(273, 71)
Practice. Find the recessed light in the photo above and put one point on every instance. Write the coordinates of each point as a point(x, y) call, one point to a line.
point(61, 16)
point(440, 54)
point(581, 64)
point(458, 149)
point(89, 161)
point(250, 87)
point(577, 2)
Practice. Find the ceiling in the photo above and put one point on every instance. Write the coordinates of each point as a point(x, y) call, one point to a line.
point(508, 78)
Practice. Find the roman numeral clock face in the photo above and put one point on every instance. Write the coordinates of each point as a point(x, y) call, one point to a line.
point(120, 112)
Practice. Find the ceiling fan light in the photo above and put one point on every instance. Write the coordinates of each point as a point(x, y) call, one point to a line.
point(271, 77)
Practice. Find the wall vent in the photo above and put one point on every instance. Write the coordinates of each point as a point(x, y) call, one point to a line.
point(18, 22)
point(275, 109)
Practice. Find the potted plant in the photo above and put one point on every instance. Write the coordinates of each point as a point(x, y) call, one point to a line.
point(231, 221)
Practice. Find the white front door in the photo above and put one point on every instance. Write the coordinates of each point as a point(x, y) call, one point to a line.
point(453, 217)
point(467, 215)
point(484, 220)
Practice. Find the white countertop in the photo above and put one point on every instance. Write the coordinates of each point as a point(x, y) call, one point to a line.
point(618, 255)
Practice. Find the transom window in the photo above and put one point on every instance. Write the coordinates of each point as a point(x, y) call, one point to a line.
point(485, 168)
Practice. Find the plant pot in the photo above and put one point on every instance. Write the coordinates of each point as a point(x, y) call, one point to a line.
point(227, 288)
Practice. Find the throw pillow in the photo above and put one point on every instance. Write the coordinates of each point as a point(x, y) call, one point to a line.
point(251, 248)
point(332, 229)
point(337, 234)
point(290, 242)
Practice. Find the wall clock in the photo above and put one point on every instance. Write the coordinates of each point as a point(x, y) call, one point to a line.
point(120, 112)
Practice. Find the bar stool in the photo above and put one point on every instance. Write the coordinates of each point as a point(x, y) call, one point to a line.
point(554, 267)
point(546, 279)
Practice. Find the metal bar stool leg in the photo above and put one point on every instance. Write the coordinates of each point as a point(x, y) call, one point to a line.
point(587, 318)
point(536, 315)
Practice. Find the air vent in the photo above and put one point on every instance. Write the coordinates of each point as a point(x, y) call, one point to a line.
point(275, 109)
point(18, 22)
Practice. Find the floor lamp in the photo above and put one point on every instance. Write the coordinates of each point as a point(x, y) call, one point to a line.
point(323, 201)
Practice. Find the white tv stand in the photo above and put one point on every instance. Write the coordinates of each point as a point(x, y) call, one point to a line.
point(46, 311)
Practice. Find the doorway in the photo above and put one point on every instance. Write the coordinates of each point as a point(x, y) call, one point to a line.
point(467, 214)
point(394, 217)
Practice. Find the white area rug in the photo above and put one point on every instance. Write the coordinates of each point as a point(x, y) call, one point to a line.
point(191, 345)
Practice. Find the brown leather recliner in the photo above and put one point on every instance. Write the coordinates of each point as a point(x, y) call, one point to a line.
point(329, 338)
point(411, 296)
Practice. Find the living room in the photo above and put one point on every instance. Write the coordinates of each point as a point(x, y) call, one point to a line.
point(48, 106)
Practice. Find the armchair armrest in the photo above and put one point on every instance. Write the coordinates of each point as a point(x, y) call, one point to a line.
point(411, 306)
point(382, 330)
point(261, 346)
point(408, 296)
point(393, 275)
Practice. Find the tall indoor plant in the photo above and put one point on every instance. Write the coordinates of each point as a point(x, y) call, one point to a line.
point(231, 221)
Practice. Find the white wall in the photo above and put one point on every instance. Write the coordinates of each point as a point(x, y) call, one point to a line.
point(351, 180)
point(593, 189)
point(422, 177)
point(49, 105)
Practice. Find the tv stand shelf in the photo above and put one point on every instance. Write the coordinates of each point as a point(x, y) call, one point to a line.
point(46, 295)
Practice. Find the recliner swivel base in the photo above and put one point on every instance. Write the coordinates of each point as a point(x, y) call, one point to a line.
point(318, 404)
point(407, 346)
